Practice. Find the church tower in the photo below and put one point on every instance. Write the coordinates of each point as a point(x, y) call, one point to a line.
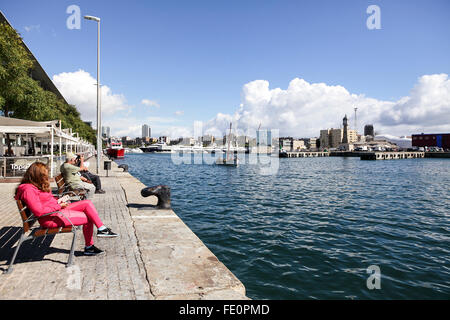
point(345, 133)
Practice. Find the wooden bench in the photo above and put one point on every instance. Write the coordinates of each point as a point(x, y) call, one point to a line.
point(29, 219)
point(63, 189)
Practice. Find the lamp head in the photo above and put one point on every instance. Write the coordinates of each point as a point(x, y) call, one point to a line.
point(92, 18)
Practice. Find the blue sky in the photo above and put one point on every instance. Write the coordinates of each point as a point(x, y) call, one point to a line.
point(196, 56)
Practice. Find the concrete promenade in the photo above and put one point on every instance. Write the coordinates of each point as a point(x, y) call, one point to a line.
point(156, 255)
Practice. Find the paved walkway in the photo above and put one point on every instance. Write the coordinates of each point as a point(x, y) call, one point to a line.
point(156, 256)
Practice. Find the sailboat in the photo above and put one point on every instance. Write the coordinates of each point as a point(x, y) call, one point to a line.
point(230, 158)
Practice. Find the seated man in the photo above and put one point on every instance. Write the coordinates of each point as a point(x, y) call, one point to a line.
point(73, 178)
point(95, 179)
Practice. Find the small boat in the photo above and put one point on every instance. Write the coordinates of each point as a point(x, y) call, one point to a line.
point(157, 147)
point(230, 158)
point(116, 150)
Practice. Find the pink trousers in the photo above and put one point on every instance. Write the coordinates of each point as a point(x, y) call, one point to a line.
point(81, 213)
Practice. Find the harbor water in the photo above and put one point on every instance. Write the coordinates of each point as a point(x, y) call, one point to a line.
point(313, 229)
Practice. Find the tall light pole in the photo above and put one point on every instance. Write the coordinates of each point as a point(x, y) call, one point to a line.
point(99, 110)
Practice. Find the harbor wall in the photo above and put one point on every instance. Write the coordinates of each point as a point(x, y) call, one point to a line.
point(178, 264)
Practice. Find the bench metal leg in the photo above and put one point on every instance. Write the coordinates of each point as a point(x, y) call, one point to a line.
point(21, 240)
point(72, 248)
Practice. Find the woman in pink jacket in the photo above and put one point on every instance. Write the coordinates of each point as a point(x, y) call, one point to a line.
point(35, 191)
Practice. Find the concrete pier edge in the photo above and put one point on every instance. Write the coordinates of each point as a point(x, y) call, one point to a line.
point(178, 265)
point(156, 256)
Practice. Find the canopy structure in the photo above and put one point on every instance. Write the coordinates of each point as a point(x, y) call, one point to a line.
point(24, 135)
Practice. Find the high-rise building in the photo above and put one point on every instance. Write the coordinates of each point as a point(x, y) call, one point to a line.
point(106, 132)
point(332, 138)
point(146, 131)
point(368, 130)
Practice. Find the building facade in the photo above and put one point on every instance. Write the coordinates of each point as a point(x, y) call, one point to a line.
point(368, 130)
point(164, 139)
point(146, 131)
point(332, 138)
point(106, 132)
point(441, 140)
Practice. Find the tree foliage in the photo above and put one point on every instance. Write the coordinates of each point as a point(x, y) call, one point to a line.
point(23, 97)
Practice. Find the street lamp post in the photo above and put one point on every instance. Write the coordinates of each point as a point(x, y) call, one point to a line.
point(99, 112)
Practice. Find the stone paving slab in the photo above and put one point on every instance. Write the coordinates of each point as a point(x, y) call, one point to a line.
point(40, 271)
point(178, 264)
point(156, 256)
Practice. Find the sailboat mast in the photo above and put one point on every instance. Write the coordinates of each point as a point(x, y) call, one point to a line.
point(229, 144)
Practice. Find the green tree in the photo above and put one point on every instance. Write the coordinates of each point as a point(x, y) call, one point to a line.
point(23, 97)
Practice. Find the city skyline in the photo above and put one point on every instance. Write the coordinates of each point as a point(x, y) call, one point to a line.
point(396, 76)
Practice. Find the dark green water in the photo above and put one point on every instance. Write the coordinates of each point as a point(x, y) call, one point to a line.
point(312, 230)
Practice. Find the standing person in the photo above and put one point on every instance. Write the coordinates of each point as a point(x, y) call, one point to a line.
point(73, 178)
point(95, 179)
point(34, 190)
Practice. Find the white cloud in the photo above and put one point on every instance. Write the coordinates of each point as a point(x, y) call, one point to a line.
point(179, 113)
point(150, 103)
point(132, 126)
point(303, 109)
point(175, 132)
point(79, 88)
point(300, 110)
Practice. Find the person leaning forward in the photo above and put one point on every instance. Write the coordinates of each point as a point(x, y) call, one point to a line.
point(95, 179)
point(73, 178)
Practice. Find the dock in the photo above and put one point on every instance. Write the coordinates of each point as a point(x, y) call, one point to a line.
point(437, 155)
point(303, 154)
point(155, 257)
point(366, 155)
point(391, 155)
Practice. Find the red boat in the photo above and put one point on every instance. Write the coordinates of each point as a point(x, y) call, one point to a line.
point(116, 150)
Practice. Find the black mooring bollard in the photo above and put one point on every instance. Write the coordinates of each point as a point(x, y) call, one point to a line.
point(124, 167)
point(161, 192)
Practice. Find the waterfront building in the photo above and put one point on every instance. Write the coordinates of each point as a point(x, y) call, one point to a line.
point(146, 131)
point(441, 140)
point(138, 141)
point(207, 140)
point(309, 143)
point(164, 139)
point(188, 141)
point(127, 141)
point(332, 138)
point(368, 130)
point(286, 143)
point(291, 144)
